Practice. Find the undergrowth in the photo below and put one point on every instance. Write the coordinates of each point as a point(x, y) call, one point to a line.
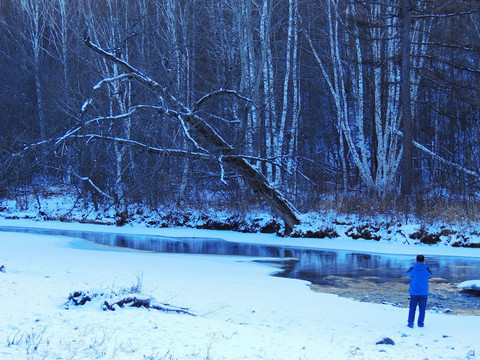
point(424, 209)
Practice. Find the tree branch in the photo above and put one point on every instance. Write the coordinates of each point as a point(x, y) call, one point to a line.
point(109, 80)
point(445, 161)
point(139, 76)
point(88, 180)
point(132, 110)
point(446, 15)
point(208, 96)
point(441, 159)
point(147, 148)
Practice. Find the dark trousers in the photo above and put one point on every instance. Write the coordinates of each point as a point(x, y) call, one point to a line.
point(421, 301)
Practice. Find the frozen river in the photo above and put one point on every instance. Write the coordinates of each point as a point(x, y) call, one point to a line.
point(303, 263)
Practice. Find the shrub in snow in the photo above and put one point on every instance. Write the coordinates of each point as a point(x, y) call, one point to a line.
point(365, 231)
point(466, 244)
point(431, 238)
point(318, 234)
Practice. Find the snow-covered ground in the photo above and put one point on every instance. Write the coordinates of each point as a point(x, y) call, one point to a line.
point(242, 312)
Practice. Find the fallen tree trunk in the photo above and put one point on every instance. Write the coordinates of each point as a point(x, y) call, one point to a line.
point(80, 298)
point(437, 157)
point(204, 136)
point(145, 303)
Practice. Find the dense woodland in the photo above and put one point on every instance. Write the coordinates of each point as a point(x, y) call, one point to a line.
point(377, 99)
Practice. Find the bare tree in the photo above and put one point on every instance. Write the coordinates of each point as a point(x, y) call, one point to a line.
point(202, 135)
point(367, 37)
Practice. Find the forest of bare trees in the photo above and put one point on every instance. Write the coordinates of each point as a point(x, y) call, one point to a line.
point(191, 102)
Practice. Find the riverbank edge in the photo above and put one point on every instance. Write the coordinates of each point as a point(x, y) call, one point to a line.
point(354, 290)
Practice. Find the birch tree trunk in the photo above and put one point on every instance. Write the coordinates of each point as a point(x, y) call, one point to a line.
point(109, 30)
point(335, 79)
point(58, 21)
point(376, 156)
point(285, 92)
point(279, 137)
point(35, 21)
point(249, 79)
point(296, 100)
point(407, 166)
point(175, 18)
point(270, 111)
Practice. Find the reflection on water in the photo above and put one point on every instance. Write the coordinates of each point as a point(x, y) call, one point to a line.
point(295, 262)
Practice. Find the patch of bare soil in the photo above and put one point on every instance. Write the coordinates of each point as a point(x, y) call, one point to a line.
point(444, 296)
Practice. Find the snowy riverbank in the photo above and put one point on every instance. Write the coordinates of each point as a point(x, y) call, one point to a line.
point(242, 313)
point(327, 229)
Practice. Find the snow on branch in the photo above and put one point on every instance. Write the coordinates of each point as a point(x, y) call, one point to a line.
point(109, 80)
point(85, 104)
point(222, 91)
point(446, 15)
point(113, 302)
point(146, 147)
point(255, 159)
point(441, 159)
point(139, 76)
point(88, 180)
point(222, 170)
point(184, 114)
point(445, 161)
point(132, 110)
point(451, 63)
point(187, 134)
point(73, 131)
point(31, 146)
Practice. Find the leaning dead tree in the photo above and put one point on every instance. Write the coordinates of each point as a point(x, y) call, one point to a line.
point(202, 134)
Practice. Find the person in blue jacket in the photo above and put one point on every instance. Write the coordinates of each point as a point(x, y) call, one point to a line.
point(419, 273)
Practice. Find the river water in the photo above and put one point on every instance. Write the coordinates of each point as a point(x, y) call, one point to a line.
point(314, 265)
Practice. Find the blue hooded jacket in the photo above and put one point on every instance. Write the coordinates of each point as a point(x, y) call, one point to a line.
point(420, 273)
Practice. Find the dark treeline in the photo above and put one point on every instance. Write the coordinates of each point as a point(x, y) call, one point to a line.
point(338, 97)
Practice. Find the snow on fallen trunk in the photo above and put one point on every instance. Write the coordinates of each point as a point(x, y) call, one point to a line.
point(470, 284)
point(113, 301)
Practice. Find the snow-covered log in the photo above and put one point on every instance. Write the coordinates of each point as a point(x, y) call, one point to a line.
point(470, 284)
point(80, 298)
point(133, 301)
